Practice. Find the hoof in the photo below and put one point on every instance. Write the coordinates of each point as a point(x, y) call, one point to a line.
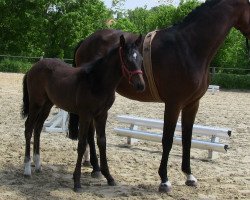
point(96, 174)
point(72, 136)
point(165, 187)
point(112, 183)
point(77, 189)
point(27, 175)
point(86, 164)
point(191, 183)
point(39, 170)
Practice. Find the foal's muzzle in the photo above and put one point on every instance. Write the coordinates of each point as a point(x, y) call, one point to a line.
point(138, 82)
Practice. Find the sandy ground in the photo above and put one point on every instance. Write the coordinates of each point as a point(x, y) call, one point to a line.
point(135, 169)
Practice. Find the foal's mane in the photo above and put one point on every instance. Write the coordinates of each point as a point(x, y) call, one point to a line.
point(198, 11)
point(93, 66)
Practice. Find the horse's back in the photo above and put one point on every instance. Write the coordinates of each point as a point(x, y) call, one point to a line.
point(99, 44)
point(46, 76)
point(50, 67)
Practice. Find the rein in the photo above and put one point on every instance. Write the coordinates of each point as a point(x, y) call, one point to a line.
point(125, 71)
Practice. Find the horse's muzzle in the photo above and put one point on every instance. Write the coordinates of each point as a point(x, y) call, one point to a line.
point(138, 82)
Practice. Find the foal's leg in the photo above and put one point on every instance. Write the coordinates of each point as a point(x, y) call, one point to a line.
point(93, 158)
point(100, 123)
point(29, 126)
point(43, 114)
point(170, 119)
point(188, 117)
point(82, 142)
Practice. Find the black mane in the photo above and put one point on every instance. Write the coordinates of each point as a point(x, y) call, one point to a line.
point(91, 67)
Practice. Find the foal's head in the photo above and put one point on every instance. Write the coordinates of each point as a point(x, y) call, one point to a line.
point(243, 23)
point(131, 60)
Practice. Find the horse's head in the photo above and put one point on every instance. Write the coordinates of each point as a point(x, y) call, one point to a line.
point(243, 22)
point(131, 62)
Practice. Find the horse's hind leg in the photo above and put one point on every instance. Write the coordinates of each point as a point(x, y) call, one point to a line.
point(188, 118)
point(29, 126)
point(100, 124)
point(43, 114)
point(93, 158)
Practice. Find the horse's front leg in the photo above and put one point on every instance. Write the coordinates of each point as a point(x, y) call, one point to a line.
point(100, 123)
point(170, 119)
point(188, 118)
point(82, 142)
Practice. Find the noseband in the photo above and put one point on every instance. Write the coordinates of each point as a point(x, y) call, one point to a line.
point(125, 71)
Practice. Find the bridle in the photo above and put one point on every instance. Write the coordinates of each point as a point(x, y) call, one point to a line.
point(125, 71)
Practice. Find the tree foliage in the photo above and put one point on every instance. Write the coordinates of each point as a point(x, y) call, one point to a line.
point(232, 54)
point(31, 27)
point(53, 27)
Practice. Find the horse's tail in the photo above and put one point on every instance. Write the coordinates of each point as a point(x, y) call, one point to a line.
point(25, 107)
point(75, 50)
point(73, 118)
point(73, 126)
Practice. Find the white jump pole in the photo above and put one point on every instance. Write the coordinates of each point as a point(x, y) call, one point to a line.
point(158, 124)
point(177, 140)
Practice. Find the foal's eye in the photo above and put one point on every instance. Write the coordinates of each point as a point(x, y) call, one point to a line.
point(135, 55)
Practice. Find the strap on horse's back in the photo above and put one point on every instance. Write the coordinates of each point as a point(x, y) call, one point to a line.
point(147, 63)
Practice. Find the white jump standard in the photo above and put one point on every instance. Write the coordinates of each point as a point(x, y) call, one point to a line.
point(211, 145)
point(58, 123)
point(213, 88)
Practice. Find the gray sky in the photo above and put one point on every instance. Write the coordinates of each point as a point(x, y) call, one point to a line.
point(131, 4)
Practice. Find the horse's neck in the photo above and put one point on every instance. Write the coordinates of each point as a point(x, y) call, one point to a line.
point(109, 73)
point(204, 37)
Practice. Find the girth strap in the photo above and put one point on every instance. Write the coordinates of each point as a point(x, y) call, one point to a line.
point(147, 63)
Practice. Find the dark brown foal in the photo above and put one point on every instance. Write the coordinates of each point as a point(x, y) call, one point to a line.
point(86, 91)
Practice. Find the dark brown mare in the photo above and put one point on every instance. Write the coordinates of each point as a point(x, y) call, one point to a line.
point(181, 56)
point(86, 91)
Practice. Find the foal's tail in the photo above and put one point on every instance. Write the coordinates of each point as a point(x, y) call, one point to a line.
point(25, 107)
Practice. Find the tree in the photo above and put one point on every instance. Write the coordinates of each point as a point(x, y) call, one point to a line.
point(139, 17)
point(233, 54)
point(72, 22)
point(184, 8)
point(117, 8)
point(21, 26)
point(161, 17)
point(54, 27)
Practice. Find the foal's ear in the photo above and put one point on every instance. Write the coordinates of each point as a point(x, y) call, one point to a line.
point(138, 40)
point(122, 41)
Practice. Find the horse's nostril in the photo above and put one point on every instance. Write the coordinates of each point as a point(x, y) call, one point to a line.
point(140, 87)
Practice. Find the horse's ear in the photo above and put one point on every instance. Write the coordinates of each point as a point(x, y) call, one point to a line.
point(138, 40)
point(122, 41)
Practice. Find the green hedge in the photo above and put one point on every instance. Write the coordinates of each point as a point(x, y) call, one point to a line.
point(227, 81)
point(231, 81)
point(8, 65)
